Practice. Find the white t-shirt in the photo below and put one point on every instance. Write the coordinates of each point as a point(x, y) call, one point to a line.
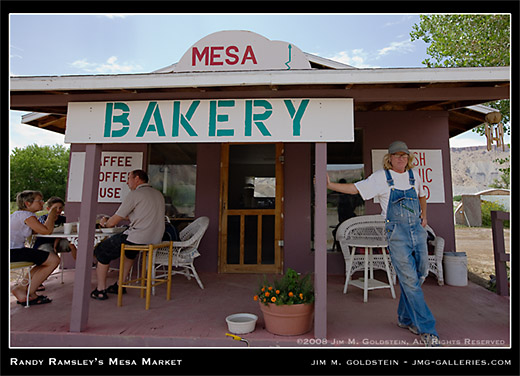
point(18, 229)
point(376, 186)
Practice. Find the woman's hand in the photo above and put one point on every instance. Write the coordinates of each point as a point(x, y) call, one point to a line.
point(53, 212)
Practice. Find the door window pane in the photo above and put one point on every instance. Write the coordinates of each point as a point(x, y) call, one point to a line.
point(173, 171)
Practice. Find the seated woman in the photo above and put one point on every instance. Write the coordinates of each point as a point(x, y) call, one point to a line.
point(24, 223)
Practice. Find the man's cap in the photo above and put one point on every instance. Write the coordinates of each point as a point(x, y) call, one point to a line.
point(398, 146)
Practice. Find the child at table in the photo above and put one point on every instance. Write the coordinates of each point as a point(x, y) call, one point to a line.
point(55, 245)
point(23, 223)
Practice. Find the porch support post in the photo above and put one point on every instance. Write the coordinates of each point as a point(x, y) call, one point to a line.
point(87, 229)
point(320, 241)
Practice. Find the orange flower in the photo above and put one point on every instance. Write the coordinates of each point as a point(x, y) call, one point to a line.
point(277, 291)
point(301, 296)
point(291, 294)
point(273, 299)
point(263, 289)
point(270, 288)
point(267, 293)
point(255, 298)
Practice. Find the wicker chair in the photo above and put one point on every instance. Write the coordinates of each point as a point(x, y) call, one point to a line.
point(435, 259)
point(184, 251)
point(366, 232)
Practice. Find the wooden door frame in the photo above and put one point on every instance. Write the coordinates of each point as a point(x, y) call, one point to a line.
point(277, 267)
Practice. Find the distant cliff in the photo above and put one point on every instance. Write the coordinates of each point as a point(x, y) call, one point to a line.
point(473, 168)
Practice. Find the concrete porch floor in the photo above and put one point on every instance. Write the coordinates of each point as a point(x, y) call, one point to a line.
point(469, 316)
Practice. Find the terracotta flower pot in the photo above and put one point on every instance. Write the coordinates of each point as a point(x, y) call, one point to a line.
point(288, 320)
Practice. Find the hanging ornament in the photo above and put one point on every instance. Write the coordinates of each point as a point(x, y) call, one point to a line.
point(494, 130)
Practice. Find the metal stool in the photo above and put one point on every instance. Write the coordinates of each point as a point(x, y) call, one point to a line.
point(145, 278)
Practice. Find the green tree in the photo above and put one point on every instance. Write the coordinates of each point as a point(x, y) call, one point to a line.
point(504, 181)
point(41, 168)
point(467, 40)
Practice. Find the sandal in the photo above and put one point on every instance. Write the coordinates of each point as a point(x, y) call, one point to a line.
point(41, 288)
point(37, 301)
point(114, 289)
point(99, 295)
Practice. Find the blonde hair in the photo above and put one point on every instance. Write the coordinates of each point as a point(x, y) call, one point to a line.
point(26, 196)
point(387, 165)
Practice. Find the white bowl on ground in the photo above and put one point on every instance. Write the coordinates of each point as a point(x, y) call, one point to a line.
point(241, 323)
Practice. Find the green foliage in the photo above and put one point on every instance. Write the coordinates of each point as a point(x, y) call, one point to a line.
point(504, 181)
point(290, 289)
point(487, 207)
point(41, 168)
point(467, 40)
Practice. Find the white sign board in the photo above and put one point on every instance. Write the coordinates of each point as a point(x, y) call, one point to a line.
point(429, 165)
point(219, 120)
point(113, 173)
point(241, 50)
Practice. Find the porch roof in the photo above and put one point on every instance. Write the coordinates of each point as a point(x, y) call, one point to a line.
point(374, 89)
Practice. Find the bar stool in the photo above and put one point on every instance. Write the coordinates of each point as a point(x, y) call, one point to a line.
point(21, 266)
point(144, 281)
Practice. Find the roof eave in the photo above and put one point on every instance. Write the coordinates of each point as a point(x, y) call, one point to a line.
point(256, 78)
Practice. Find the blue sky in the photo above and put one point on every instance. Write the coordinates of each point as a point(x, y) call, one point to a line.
point(75, 44)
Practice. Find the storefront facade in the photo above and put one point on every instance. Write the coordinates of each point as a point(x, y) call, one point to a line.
point(237, 131)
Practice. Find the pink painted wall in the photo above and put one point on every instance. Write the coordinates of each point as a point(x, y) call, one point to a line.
point(72, 209)
point(297, 208)
point(419, 129)
point(207, 200)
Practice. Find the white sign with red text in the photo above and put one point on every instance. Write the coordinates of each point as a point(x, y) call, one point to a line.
point(113, 172)
point(241, 50)
point(429, 165)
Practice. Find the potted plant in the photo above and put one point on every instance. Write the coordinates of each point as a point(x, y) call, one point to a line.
point(287, 304)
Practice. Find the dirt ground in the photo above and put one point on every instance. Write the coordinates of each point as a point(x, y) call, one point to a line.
point(477, 242)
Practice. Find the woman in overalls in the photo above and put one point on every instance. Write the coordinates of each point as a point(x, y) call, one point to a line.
point(403, 203)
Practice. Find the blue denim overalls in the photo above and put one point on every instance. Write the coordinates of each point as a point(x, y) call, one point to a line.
point(409, 254)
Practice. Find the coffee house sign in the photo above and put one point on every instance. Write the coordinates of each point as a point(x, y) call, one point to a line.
point(222, 120)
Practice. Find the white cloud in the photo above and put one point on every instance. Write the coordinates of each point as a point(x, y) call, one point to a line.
point(398, 21)
point(461, 142)
point(25, 135)
point(355, 58)
point(404, 46)
point(110, 66)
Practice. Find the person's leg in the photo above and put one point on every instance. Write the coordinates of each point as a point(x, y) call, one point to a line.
point(101, 274)
point(73, 250)
point(106, 251)
point(413, 309)
point(39, 274)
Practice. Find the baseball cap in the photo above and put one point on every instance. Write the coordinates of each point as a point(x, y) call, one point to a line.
point(397, 146)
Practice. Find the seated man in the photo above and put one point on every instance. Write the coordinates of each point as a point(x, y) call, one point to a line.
point(144, 207)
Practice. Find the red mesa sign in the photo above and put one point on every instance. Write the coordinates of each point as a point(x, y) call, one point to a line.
point(216, 55)
point(240, 50)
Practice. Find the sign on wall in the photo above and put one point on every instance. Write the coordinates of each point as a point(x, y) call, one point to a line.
point(241, 50)
point(429, 165)
point(219, 120)
point(113, 172)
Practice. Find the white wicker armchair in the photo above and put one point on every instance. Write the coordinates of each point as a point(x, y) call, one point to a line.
point(184, 252)
point(367, 231)
point(435, 260)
